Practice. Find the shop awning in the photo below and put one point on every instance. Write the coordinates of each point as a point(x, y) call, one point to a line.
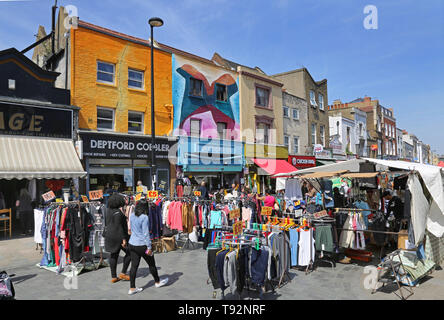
point(38, 158)
point(274, 166)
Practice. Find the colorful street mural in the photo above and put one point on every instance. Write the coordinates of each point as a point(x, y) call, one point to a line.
point(205, 107)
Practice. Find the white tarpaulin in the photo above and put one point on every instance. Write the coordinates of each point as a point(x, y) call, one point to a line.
point(419, 208)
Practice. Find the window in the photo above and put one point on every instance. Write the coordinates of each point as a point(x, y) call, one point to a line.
point(135, 79)
point(262, 97)
point(312, 98)
point(322, 134)
point(135, 122)
point(321, 101)
point(295, 114)
point(287, 141)
point(296, 145)
point(195, 87)
point(105, 118)
point(105, 72)
point(286, 112)
point(221, 127)
point(262, 133)
point(221, 92)
point(313, 133)
point(195, 128)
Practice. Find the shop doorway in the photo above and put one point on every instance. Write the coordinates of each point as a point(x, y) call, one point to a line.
point(144, 175)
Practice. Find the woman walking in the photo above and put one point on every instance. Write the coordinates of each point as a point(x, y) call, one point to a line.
point(140, 247)
point(24, 208)
point(116, 236)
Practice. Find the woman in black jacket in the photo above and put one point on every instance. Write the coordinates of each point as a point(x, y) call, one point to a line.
point(116, 236)
point(24, 208)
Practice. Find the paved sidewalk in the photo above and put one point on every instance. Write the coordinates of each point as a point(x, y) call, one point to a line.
point(188, 280)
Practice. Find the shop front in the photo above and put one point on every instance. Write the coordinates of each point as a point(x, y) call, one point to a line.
point(217, 162)
point(119, 161)
point(263, 161)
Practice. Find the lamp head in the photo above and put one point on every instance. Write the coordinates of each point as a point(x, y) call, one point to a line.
point(155, 22)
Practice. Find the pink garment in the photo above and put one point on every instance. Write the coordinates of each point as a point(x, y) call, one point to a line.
point(269, 201)
point(175, 216)
point(246, 214)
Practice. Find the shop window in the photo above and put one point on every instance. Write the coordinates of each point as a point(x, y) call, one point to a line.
point(195, 128)
point(105, 72)
point(262, 97)
point(135, 79)
point(195, 87)
point(135, 122)
point(221, 92)
point(105, 118)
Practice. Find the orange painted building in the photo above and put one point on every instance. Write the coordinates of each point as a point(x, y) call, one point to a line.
point(91, 45)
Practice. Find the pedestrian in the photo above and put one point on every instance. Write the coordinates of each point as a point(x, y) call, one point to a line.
point(203, 191)
point(116, 236)
point(140, 247)
point(268, 199)
point(24, 208)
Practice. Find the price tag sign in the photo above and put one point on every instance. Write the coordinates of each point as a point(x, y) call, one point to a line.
point(320, 214)
point(85, 199)
point(138, 197)
point(139, 189)
point(95, 195)
point(266, 211)
point(48, 196)
point(152, 194)
point(197, 193)
point(234, 214)
point(237, 228)
point(58, 200)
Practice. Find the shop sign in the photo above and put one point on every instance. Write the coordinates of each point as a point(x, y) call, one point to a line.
point(85, 199)
point(302, 161)
point(58, 200)
point(35, 121)
point(317, 148)
point(152, 194)
point(197, 193)
point(123, 146)
point(325, 154)
point(95, 195)
point(48, 196)
point(266, 211)
point(237, 228)
point(336, 145)
point(234, 214)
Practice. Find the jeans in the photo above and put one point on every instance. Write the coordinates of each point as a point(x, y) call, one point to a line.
point(138, 252)
point(114, 257)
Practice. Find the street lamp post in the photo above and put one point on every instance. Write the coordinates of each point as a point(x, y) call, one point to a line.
point(153, 22)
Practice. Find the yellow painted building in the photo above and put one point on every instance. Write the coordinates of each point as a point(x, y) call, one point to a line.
point(92, 46)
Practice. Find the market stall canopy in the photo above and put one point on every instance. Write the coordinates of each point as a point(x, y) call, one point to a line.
point(360, 175)
point(318, 175)
point(38, 158)
point(274, 166)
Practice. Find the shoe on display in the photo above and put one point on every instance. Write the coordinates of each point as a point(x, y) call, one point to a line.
point(162, 283)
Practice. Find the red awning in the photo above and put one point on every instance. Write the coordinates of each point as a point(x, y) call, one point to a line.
point(274, 166)
point(441, 164)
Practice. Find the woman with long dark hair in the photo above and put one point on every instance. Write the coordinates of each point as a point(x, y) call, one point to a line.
point(140, 246)
point(116, 236)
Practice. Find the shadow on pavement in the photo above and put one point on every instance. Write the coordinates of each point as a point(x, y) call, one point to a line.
point(17, 280)
point(172, 278)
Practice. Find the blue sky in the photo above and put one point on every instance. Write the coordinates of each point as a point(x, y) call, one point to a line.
point(401, 63)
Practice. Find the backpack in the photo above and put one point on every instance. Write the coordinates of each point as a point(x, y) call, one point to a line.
point(7, 291)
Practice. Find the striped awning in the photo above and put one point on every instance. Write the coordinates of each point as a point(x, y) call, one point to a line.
point(38, 158)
